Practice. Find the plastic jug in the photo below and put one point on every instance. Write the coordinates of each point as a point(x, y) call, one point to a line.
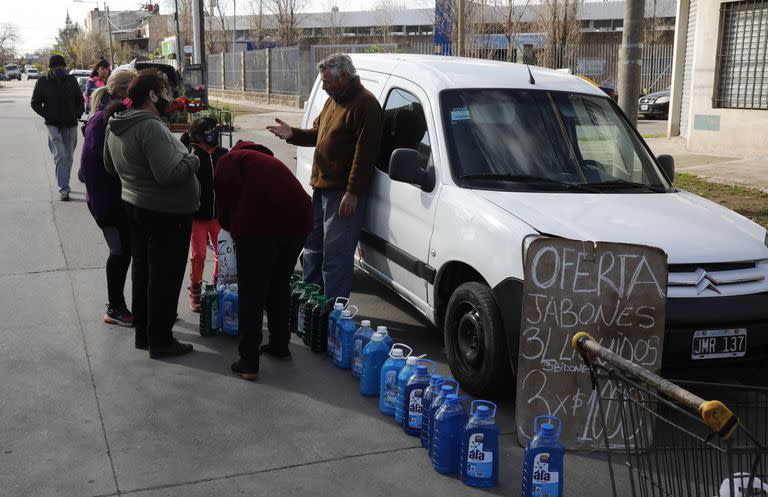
point(359, 340)
point(479, 463)
point(229, 310)
point(427, 397)
point(413, 405)
point(305, 317)
point(318, 327)
point(388, 339)
point(345, 330)
point(293, 308)
point(339, 305)
point(221, 289)
point(388, 378)
point(543, 462)
point(300, 303)
point(450, 421)
point(447, 387)
point(374, 355)
point(402, 378)
point(209, 311)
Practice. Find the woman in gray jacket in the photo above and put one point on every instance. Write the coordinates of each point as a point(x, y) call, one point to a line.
point(160, 193)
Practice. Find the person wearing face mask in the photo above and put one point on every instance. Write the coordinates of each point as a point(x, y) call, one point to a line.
point(58, 100)
point(203, 138)
point(102, 193)
point(160, 194)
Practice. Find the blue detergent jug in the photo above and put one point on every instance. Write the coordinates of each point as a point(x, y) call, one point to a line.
point(402, 379)
point(543, 462)
point(450, 421)
point(387, 339)
point(388, 378)
point(345, 330)
point(447, 387)
point(479, 464)
point(427, 397)
point(229, 312)
point(359, 340)
point(221, 289)
point(413, 405)
point(374, 355)
point(333, 318)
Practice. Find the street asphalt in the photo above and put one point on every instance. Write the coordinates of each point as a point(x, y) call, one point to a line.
point(83, 413)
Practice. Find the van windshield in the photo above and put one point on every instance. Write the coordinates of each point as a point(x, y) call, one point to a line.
point(540, 140)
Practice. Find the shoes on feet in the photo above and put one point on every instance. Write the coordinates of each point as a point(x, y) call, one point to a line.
point(175, 348)
point(247, 370)
point(120, 316)
point(195, 296)
point(64, 196)
point(282, 354)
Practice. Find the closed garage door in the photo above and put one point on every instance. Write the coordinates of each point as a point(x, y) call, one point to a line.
point(685, 103)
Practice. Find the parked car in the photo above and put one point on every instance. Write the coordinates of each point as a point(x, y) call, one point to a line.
point(608, 90)
point(12, 71)
point(82, 76)
point(2, 77)
point(477, 161)
point(33, 73)
point(655, 105)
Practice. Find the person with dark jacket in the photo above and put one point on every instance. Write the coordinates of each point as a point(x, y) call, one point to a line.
point(102, 193)
point(57, 99)
point(204, 143)
point(160, 193)
point(269, 214)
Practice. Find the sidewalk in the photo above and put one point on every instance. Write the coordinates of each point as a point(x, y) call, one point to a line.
point(728, 169)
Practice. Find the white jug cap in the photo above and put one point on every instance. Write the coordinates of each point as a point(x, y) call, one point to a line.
point(382, 329)
point(233, 287)
point(365, 323)
point(396, 353)
point(377, 337)
point(338, 307)
point(346, 313)
point(411, 360)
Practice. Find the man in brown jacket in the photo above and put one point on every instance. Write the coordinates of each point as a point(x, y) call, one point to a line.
point(346, 136)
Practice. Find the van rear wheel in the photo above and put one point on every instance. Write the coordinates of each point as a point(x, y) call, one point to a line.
point(475, 342)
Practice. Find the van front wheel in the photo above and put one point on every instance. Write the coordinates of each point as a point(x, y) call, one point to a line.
point(474, 340)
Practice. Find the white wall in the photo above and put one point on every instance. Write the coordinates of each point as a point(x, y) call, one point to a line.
point(741, 132)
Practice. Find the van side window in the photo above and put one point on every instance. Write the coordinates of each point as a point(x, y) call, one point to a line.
point(404, 127)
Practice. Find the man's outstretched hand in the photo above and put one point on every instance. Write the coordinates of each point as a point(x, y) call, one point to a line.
point(282, 130)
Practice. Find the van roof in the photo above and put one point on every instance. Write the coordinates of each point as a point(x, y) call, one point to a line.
point(435, 72)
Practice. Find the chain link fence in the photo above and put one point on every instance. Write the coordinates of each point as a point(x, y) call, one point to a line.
point(284, 71)
point(256, 70)
point(214, 71)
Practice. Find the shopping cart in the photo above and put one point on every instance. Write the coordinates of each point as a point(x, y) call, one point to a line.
point(674, 442)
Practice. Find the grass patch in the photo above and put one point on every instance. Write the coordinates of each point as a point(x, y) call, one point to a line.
point(235, 109)
point(748, 202)
point(655, 135)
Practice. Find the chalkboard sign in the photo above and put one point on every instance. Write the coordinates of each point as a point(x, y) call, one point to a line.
point(617, 293)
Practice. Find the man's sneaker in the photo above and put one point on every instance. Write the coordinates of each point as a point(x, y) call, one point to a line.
point(64, 196)
point(247, 370)
point(175, 348)
point(282, 354)
point(195, 297)
point(119, 316)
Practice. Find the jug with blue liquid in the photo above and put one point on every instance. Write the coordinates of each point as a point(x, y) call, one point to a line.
point(450, 421)
point(388, 377)
point(479, 464)
point(543, 461)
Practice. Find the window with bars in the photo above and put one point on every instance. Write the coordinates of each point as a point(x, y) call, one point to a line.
point(742, 59)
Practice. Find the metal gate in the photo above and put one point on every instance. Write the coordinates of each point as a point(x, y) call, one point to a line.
point(687, 87)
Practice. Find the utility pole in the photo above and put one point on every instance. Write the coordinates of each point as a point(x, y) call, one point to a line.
point(179, 60)
point(197, 32)
point(631, 58)
point(461, 26)
point(109, 30)
point(234, 24)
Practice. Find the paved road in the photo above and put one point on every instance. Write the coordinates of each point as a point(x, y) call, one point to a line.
point(85, 414)
point(652, 127)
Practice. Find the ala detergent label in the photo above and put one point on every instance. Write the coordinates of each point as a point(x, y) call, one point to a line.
point(415, 408)
point(545, 483)
point(479, 462)
point(390, 388)
point(357, 363)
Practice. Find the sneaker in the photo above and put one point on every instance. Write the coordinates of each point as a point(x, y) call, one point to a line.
point(283, 355)
point(120, 316)
point(175, 348)
point(64, 196)
point(194, 297)
point(247, 370)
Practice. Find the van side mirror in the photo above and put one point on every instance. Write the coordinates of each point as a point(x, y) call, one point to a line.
point(404, 166)
point(667, 163)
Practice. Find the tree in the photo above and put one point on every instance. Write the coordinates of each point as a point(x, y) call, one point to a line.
point(66, 42)
point(89, 47)
point(559, 21)
point(9, 36)
point(385, 11)
point(216, 26)
point(287, 15)
point(257, 29)
point(333, 32)
point(511, 23)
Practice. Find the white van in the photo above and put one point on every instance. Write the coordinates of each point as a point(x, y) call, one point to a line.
point(479, 158)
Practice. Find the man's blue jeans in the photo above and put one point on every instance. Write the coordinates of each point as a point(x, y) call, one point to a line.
point(329, 254)
point(62, 142)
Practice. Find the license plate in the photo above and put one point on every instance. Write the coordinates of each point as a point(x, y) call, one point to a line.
point(717, 344)
point(643, 107)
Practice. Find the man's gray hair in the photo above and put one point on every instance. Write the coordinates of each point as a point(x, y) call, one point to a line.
point(338, 63)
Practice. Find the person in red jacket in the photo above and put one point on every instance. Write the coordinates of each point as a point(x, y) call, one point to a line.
point(262, 204)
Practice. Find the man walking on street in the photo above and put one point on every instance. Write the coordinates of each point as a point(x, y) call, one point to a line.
point(57, 98)
point(346, 135)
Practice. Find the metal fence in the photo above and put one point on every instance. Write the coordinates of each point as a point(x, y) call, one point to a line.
point(256, 70)
point(214, 71)
point(232, 71)
point(284, 70)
